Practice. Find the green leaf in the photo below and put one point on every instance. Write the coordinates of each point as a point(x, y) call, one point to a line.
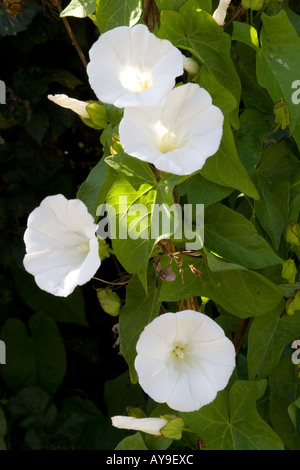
point(268, 335)
point(135, 200)
point(199, 190)
point(31, 407)
point(38, 359)
point(294, 19)
point(195, 30)
point(9, 27)
point(221, 96)
point(277, 60)
point(232, 422)
point(69, 309)
point(83, 426)
point(253, 95)
point(271, 179)
point(232, 236)
point(239, 291)
point(113, 13)
point(295, 196)
point(79, 8)
point(254, 125)
point(94, 189)
point(139, 310)
point(284, 389)
point(169, 4)
point(225, 167)
point(246, 34)
point(120, 394)
point(134, 442)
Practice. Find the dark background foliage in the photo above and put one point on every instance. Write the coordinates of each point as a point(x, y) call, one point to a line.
point(48, 150)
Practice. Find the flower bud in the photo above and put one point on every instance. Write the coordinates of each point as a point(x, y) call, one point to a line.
point(282, 115)
point(109, 301)
point(289, 271)
point(190, 65)
point(219, 14)
point(79, 107)
point(293, 303)
point(253, 4)
point(292, 233)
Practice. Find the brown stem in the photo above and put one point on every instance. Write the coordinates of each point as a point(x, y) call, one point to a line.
point(151, 14)
point(71, 34)
point(187, 304)
point(238, 11)
point(240, 333)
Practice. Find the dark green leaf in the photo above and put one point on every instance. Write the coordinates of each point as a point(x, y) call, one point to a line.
point(38, 359)
point(232, 422)
point(134, 442)
point(234, 237)
point(254, 125)
point(277, 60)
point(285, 389)
point(268, 336)
point(239, 291)
point(272, 182)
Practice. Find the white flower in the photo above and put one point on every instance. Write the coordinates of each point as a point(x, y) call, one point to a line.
point(79, 107)
point(178, 136)
point(219, 14)
point(184, 359)
point(61, 245)
point(148, 425)
point(132, 67)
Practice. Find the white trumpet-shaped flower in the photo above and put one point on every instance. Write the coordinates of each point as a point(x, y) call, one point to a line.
point(61, 245)
point(219, 14)
point(178, 136)
point(79, 107)
point(132, 67)
point(183, 359)
point(147, 425)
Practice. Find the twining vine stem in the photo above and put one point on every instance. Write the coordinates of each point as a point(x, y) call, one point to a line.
point(71, 34)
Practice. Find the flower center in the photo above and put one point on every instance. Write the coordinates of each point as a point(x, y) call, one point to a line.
point(167, 142)
point(178, 352)
point(166, 139)
point(134, 79)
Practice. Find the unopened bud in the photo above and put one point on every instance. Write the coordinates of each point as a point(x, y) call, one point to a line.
point(79, 107)
point(292, 234)
point(109, 301)
point(253, 4)
point(190, 65)
point(289, 271)
point(219, 14)
point(293, 303)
